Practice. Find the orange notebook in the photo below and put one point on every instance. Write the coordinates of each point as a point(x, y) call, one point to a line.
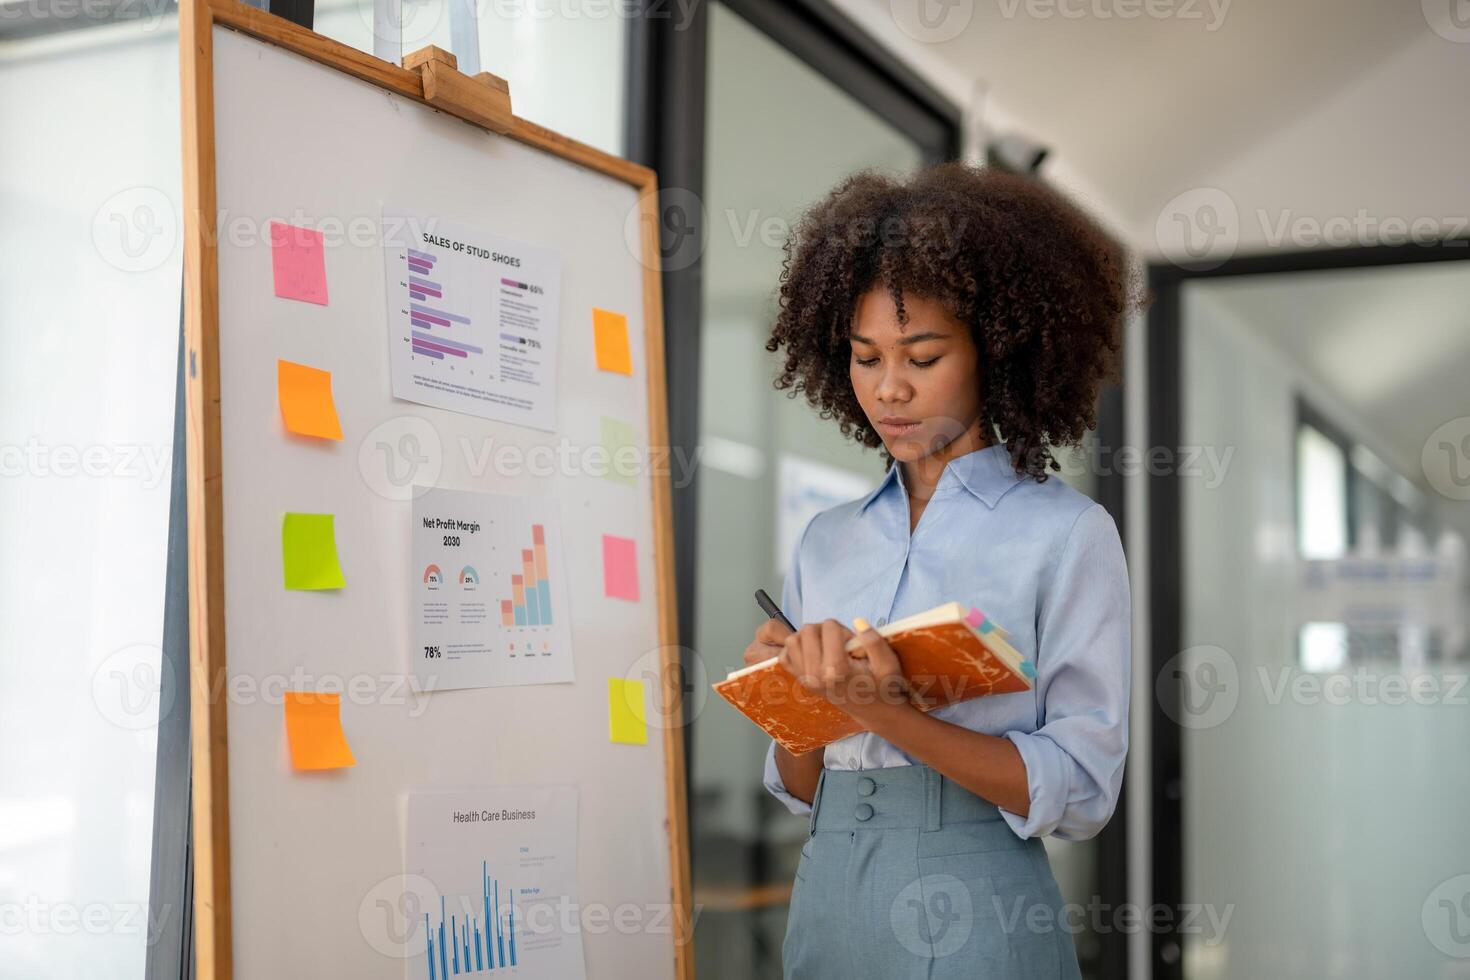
point(949, 654)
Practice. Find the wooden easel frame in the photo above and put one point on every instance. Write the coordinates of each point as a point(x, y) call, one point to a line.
point(213, 942)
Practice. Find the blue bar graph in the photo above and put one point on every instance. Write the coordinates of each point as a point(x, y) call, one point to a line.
point(471, 932)
point(533, 606)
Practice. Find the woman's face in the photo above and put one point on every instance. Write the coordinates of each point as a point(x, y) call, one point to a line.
point(918, 383)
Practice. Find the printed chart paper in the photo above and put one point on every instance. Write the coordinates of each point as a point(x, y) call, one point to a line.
point(472, 320)
point(503, 864)
point(489, 591)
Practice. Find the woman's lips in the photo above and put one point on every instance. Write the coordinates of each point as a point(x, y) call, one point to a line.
point(897, 427)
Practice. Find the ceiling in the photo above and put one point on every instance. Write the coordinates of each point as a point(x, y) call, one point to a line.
point(1392, 343)
point(1139, 109)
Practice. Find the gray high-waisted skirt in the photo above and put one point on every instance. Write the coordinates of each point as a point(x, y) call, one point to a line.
point(907, 874)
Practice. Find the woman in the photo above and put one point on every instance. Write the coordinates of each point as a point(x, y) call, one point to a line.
point(962, 322)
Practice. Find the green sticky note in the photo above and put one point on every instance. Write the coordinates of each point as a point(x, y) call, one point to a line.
point(309, 552)
point(621, 443)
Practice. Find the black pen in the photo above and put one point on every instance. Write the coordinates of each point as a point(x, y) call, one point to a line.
point(771, 609)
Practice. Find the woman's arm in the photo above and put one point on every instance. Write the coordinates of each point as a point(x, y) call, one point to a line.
point(1064, 777)
point(799, 773)
point(870, 689)
point(986, 765)
point(792, 779)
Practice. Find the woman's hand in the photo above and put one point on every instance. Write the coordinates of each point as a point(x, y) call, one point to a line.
point(861, 683)
point(767, 643)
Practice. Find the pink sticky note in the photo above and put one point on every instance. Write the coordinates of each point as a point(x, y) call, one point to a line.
point(619, 567)
point(299, 263)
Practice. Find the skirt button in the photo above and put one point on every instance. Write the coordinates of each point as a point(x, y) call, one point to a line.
point(864, 811)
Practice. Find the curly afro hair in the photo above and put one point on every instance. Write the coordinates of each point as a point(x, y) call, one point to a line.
point(1043, 289)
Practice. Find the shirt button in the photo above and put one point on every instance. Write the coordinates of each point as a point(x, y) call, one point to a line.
point(864, 811)
point(882, 620)
point(866, 786)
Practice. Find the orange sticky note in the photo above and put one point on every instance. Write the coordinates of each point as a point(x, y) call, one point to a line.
point(619, 567)
point(305, 394)
point(610, 337)
point(298, 263)
point(314, 731)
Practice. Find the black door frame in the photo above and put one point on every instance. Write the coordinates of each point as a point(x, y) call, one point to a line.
point(1165, 350)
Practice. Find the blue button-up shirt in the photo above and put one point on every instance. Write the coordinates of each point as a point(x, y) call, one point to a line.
point(1040, 559)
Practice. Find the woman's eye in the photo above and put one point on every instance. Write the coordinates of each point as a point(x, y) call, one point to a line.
point(924, 364)
point(866, 361)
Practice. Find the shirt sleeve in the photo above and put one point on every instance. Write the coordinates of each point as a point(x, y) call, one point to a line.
point(1074, 760)
point(791, 606)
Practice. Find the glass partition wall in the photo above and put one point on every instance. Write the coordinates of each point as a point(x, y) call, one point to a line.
point(780, 135)
point(1322, 719)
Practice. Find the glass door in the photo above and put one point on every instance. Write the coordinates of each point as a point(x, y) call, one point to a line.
point(779, 134)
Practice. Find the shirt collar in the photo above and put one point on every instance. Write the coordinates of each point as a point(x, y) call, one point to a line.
point(987, 473)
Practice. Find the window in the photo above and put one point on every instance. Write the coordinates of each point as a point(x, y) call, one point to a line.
point(1321, 495)
point(90, 272)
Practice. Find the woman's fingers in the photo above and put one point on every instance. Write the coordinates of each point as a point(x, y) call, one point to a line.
point(759, 653)
point(770, 637)
point(801, 655)
point(879, 654)
point(817, 655)
point(836, 663)
point(788, 655)
point(772, 632)
point(883, 664)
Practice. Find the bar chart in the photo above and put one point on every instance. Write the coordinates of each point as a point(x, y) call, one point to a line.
point(502, 863)
point(472, 320)
point(473, 943)
point(427, 318)
point(530, 601)
point(489, 591)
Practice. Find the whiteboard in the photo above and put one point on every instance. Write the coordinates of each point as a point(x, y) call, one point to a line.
point(313, 855)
